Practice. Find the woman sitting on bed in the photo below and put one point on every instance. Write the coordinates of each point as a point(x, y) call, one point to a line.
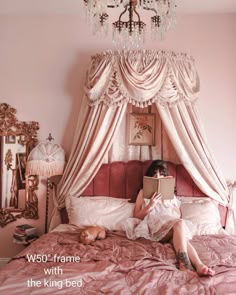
point(156, 220)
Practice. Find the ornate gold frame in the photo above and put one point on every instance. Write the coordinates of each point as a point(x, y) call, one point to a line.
point(10, 126)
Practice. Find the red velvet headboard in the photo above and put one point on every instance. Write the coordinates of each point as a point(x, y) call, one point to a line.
point(118, 180)
point(124, 180)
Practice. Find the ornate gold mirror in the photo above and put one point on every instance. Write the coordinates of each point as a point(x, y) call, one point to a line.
point(17, 192)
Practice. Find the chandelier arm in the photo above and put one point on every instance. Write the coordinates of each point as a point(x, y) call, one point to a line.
point(115, 6)
point(139, 19)
point(152, 9)
point(122, 13)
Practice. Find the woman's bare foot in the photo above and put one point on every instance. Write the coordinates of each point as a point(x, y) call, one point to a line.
point(203, 270)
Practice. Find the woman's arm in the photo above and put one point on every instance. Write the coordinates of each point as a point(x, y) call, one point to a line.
point(140, 211)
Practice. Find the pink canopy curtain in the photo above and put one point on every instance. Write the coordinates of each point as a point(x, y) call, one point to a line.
point(141, 78)
point(93, 137)
point(183, 126)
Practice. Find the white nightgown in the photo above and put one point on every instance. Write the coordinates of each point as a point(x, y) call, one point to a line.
point(157, 223)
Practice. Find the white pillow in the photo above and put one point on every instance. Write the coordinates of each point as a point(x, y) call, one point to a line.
point(201, 215)
point(104, 211)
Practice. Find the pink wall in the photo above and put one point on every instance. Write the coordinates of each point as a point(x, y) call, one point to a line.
point(43, 61)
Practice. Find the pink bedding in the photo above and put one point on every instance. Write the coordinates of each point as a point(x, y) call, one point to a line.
point(117, 265)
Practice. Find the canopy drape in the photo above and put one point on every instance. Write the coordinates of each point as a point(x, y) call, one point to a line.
point(183, 126)
point(141, 78)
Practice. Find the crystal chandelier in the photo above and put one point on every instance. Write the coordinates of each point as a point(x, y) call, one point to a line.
point(131, 32)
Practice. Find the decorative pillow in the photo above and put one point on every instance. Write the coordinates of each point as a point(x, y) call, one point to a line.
point(202, 216)
point(104, 211)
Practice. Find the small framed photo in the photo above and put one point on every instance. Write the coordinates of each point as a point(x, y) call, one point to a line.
point(10, 139)
point(141, 129)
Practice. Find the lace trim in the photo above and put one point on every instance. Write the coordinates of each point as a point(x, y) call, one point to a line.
point(109, 102)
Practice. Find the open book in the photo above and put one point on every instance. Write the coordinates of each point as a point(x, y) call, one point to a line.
point(164, 186)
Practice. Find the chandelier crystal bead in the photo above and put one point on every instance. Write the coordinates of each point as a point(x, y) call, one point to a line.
point(131, 32)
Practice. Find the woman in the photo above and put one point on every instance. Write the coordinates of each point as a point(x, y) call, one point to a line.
point(158, 220)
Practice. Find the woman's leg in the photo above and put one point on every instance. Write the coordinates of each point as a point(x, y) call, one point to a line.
point(180, 244)
point(186, 253)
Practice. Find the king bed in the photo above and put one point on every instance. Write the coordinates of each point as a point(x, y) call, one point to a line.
point(57, 263)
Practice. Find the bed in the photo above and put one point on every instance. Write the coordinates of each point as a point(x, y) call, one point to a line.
point(57, 263)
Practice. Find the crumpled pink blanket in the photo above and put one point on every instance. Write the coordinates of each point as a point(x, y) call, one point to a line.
point(117, 265)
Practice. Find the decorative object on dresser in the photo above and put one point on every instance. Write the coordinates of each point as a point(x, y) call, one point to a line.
point(132, 31)
point(17, 192)
point(25, 234)
point(46, 159)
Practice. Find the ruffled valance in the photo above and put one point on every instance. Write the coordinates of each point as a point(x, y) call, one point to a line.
point(141, 78)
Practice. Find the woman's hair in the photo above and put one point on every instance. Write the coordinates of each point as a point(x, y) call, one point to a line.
point(157, 165)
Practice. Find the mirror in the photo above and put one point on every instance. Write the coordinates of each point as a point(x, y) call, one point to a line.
point(17, 192)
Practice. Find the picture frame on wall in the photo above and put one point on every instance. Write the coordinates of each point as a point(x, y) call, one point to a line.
point(141, 129)
point(10, 139)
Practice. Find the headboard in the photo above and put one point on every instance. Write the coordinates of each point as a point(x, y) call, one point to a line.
point(118, 180)
point(124, 180)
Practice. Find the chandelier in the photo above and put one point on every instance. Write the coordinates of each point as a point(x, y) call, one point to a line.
point(129, 30)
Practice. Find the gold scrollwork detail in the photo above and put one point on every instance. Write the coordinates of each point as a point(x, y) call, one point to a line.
point(24, 134)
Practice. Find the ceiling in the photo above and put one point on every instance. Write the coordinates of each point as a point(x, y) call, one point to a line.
point(75, 6)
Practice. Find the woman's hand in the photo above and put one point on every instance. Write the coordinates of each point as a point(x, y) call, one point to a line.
point(139, 210)
point(153, 201)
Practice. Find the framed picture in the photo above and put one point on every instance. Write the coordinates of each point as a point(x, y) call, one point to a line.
point(10, 139)
point(141, 129)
